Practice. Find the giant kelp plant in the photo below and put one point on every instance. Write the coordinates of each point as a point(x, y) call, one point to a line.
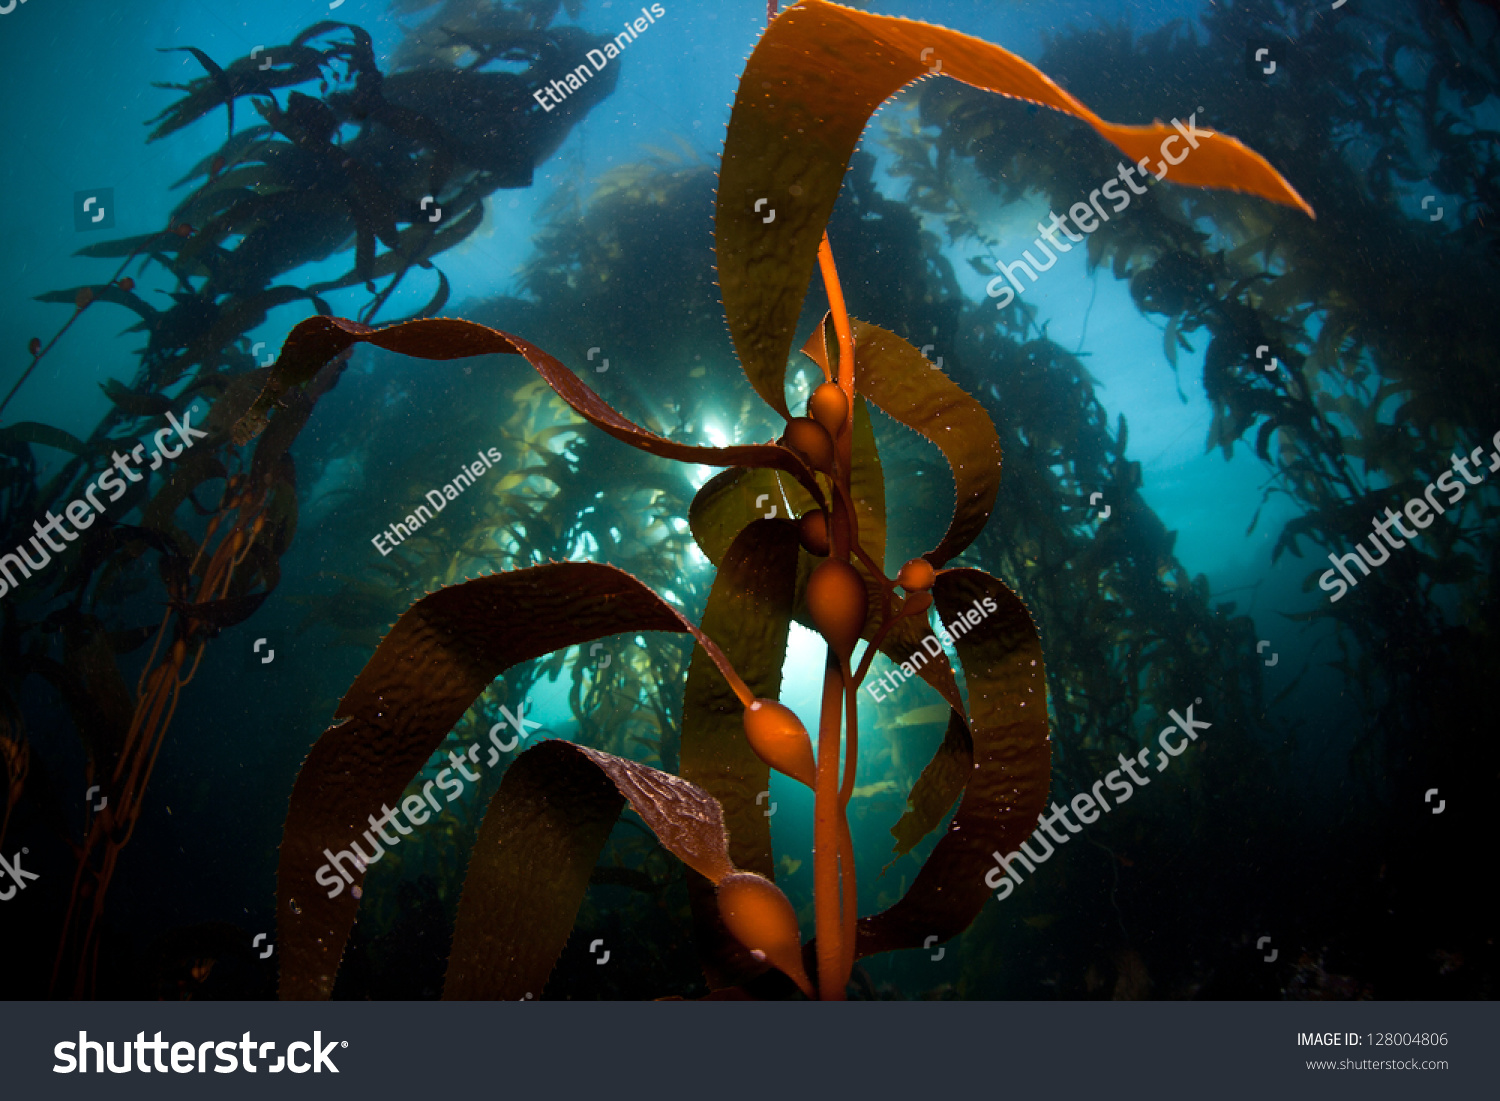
point(815, 77)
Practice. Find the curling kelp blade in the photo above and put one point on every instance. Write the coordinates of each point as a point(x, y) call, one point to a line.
point(541, 838)
point(816, 76)
point(441, 654)
point(314, 342)
point(1006, 789)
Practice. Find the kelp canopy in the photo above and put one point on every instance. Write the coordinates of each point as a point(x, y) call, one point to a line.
point(1128, 632)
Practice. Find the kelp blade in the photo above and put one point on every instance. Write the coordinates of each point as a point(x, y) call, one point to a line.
point(1012, 757)
point(867, 488)
point(441, 654)
point(36, 432)
point(904, 642)
point(941, 782)
point(733, 499)
point(540, 839)
point(315, 341)
point(816, 76)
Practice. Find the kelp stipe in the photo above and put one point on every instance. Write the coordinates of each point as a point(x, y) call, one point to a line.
point(801, 107)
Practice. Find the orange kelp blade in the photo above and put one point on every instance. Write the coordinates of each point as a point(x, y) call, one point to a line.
point(900, 381)
point(540, 839)
point(315, 341)
point(441, 654)
point(817, 75)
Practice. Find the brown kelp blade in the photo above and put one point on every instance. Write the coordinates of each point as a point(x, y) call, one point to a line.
point(540, 839)
point(816, 76)
point(867, 487)
point(945, 776)
point(441, 654)
point(749, 614)
point(907, 387)
point(15, 759)
point(1012, 758)
point(315, 341)
point(905, 642)
point(731, 500)
point(36, 432)
point(941, 782)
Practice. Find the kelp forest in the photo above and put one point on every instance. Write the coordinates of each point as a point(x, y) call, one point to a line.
point(176, 788)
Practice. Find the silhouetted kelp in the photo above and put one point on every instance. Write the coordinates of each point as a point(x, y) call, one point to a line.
point(1452, 10)
point(1380, 318)
point(270, 199)
point(793, 130)
point(1376, 318)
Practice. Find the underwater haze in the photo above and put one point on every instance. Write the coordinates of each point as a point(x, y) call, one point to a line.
point(1217, 454)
